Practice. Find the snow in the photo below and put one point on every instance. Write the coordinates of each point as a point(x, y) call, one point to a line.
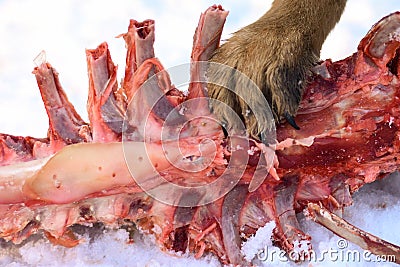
point(102, 248)
point(251, 248)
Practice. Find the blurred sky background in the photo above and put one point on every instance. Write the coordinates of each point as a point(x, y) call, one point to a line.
point(65, 28)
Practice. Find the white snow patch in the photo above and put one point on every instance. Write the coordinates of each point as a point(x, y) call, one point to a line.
point(258, 242)
point(109, 249)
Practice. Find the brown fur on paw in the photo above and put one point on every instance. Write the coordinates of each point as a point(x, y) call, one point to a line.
point(276, 52)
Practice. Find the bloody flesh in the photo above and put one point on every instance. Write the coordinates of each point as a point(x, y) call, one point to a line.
point(349, 120)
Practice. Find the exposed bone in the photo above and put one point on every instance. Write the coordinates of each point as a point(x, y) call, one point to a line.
point(106, 104)
point(231, 207)
point(205, 41)
point(147, 100)
point(17, 148)
point(349, 136)
point(139, 40)
point(65, 123)
point(287, 230)
point(348, 231)
point(80, 170)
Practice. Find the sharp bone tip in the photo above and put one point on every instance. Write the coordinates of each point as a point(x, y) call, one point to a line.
point(40, 58)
